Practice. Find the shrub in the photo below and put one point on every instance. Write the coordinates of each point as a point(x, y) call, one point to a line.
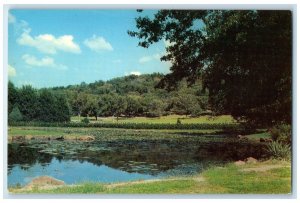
point(85, 120)
point(15, 115)
point(282, 133)
point(279, 150)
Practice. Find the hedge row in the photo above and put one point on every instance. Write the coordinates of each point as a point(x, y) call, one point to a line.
point(131, 125)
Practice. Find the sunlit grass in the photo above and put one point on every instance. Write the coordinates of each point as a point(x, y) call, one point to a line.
point(172, 119)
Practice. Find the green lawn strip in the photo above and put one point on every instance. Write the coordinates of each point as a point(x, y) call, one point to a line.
point(161, 187)
point(85, 188)
point(256, 136)
point(171, 119)
point(273, 181)
point(104, 133)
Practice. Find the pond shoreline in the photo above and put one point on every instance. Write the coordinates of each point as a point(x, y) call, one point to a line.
point(268, 177)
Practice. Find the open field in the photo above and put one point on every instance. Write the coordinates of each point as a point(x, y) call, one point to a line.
point(268, 177)
point(171, 119)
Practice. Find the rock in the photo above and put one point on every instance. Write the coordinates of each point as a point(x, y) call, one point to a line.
point(251, 160)
point(239, 163)
point(241, 137)
point(86, 138)
point(44, 182)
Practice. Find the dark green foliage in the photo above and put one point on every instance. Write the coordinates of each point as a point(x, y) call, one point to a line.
point(134, 106)
point(62, 109)
point(126, 96)
point(243, 57)
point(37, 105)
point(46, 106)
point(28, 102)
point(12, 96)
point(85, 120)
point(131, 96)
point(153, 107)
point(15, 115)
point(282, 133)
point(278, 150)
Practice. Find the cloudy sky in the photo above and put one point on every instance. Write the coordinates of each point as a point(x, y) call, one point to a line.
point(61, 47)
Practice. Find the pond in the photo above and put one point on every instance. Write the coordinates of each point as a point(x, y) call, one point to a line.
point(121, 160)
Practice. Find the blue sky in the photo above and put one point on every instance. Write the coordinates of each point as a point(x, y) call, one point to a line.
point(49, 48)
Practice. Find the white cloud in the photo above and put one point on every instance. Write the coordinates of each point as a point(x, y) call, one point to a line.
point(98, 44)
point(133, 73)
point(44, 62)
point(11, 18)
point(48, 43)
point(11, 71)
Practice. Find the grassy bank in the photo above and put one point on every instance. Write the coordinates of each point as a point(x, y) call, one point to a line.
point(31, 132)
point(171, 119)
point(268, 177)
point(106, 134)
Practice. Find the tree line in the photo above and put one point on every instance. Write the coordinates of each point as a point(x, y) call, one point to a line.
point(128, 96)
point(29, 104)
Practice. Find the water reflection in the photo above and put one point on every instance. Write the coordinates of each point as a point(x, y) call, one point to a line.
point(120, 160)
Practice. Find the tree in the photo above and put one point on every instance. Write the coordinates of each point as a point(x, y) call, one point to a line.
point(118, 106)
point(104, 104)
point(92, 107)
point(134, 106)
point(28, 102)
point(243, 57)
point(12, 96)
point(79, 102)
point(186, 104)
point(62, 109)
point(46, 106)
point(153, 107)
point(15, 115)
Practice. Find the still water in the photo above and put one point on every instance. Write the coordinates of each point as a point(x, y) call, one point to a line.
point(121, 160)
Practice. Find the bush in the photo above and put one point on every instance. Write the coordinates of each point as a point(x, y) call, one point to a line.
point(279, 150)
point(15, 115)
point(282, 133)
point(85, 120)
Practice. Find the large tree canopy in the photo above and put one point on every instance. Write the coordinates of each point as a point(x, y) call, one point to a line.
point(243, 57)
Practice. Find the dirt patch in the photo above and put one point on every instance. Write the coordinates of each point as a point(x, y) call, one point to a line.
point(44, 182)
point(113, 185)
point(86, 138)
point(262, 168)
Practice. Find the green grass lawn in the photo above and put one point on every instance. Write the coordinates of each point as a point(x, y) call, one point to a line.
point(163, 119)
point(268, 177)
